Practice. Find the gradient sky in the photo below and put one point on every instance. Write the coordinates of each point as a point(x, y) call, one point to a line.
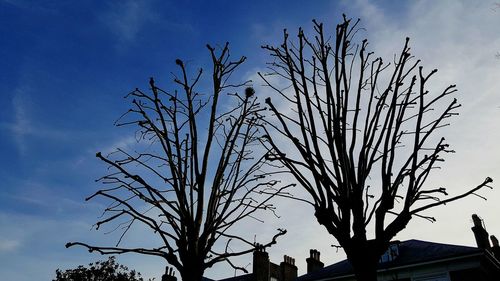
point(66, 65)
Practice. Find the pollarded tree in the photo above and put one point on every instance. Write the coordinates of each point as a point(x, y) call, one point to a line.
point(199, 173)
point(360, 137)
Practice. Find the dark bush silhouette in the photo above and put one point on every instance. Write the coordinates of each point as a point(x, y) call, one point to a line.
point(108, 270)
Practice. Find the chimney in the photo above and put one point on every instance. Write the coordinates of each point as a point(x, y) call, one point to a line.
point(480, 233)
point(495, 248)
point(288, 269)
point(313, 261)
point(169, 275)
point(260, 264)
point(494, 241)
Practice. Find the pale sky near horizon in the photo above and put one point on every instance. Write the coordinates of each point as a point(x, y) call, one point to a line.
point(66, 67)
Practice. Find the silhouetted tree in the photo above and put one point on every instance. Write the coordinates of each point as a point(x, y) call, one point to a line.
point(197, 177)
point(108, 270)
point(359, 138)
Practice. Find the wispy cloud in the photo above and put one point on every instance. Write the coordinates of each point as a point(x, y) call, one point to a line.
point(21, 125)
point(126, 19)
point(38, 6)
point(39, 242)
point(130, 20)
point(24, 126)
point(126, 143)
point(8, 245)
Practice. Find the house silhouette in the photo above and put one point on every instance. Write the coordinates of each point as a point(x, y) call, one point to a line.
point(410, 260)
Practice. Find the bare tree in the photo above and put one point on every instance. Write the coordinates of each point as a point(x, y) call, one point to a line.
point(198, 174)
point(359, 138)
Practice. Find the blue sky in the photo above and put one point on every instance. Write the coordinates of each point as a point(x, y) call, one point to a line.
point(66, 66)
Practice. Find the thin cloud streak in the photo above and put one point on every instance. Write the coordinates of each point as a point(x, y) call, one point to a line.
point(21, 125)
point(128, 20)
point(31, 6)
point(23, 129)
point(8, 245)
point(125, 19)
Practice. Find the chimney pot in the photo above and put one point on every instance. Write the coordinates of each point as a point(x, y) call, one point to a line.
point(476, 220)
point(288, 269)
point(494, 241)
point(288, 260)
point(480, 233)
point(169, 274)
point(313, 262)
point(495, 249)
point(260, 265)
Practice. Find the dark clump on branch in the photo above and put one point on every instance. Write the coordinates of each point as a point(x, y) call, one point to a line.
point(249, 92)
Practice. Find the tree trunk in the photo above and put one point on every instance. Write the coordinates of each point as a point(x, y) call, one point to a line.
point(364, 263)
point(366, 274)
point(192, 273)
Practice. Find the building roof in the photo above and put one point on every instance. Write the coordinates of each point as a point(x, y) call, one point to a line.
point(244, 277)
point(411, 252)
